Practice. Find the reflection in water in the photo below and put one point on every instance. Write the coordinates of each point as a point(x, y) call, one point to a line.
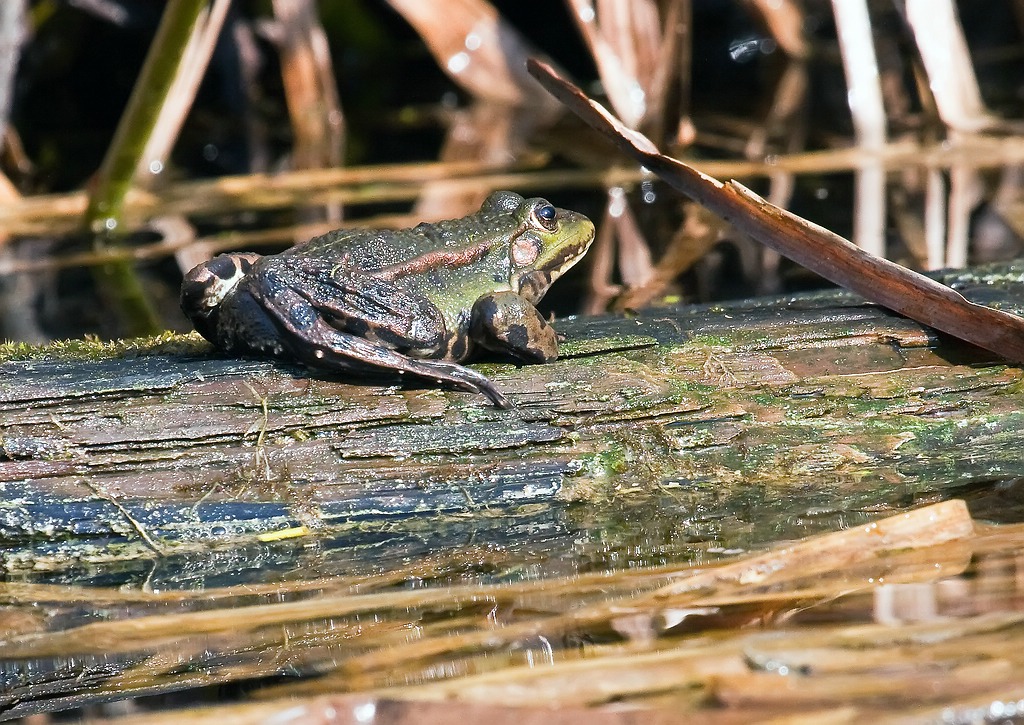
point(911, 611)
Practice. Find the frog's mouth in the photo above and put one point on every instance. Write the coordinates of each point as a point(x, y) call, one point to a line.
point(577, 234)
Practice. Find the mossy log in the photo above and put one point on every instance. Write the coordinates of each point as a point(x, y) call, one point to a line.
point(742, 406)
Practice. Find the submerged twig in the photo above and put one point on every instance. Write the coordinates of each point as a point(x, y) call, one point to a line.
point(132, 521)
point(820, 250)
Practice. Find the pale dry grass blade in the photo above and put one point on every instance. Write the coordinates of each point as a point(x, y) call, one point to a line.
point(954, 86)
point(935, 219)
point(623, 38)
point(929, 526)
point(12, 35)
point(965, 192)
point(947, 61)
point(864, 94)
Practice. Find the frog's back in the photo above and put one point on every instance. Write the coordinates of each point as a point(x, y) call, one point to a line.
point(373, 250)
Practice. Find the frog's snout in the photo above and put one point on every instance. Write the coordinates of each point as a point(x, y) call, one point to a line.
point(206, 285)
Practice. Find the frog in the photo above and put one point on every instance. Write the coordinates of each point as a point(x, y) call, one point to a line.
point(417, 301)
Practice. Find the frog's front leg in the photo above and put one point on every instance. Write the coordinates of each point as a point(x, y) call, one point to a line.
point(318, 344)
point(509, 323)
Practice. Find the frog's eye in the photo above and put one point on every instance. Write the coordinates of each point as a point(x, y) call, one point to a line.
point(546, 215)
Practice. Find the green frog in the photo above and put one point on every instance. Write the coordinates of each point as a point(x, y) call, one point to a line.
point(415, 301)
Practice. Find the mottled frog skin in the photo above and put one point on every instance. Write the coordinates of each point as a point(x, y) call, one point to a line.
point(415, 301)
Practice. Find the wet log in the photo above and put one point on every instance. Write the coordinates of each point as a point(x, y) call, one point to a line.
point(737, 407)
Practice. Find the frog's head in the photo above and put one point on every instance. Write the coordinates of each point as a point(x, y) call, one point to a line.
point(208, 284)
point(546, 241)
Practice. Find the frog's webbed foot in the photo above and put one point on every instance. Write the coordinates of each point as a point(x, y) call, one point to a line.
point(509, 323)
point(318, 344)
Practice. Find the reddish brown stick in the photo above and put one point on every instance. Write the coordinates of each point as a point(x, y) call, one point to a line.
point(816, 248)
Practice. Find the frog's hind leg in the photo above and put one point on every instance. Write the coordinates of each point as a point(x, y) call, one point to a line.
point(319, 345)
point(391, 314)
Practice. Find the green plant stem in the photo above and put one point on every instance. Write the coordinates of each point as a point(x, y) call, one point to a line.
point(118, 281)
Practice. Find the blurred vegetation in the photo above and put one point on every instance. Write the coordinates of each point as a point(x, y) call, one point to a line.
point(757, 83)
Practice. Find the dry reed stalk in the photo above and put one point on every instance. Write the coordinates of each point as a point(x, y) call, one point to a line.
point(624, 37)
point(785, 21)
point(129, 635)
point(699, 232)
point(487, 57)
point(843, 663)
point(837, 552)
point(769, 689)
point(311, 92)
point(869, 121)
point(929, 526)
point(54, 213)
point(357, 710)
point(194, 62)
point(487, 132)
point(13, 33)
point(957, 96)
point(941, 522)
point(474, 45)
point(635, 53)
point(591, 681)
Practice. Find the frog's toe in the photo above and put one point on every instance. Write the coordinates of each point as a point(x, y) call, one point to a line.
point(466, 379)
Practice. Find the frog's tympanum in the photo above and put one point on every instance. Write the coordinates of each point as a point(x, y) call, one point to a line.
point(414, 301)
